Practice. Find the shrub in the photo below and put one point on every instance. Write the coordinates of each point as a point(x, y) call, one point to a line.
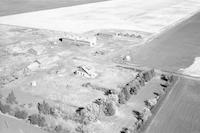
point(11, 98)
point(21, 114)
point(4, 108)
point(37, 119)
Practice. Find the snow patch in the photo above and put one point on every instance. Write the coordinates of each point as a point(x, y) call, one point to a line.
point(194, 69)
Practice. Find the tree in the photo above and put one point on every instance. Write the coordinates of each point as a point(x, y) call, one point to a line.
point(126, 91)
point(44, 108)
point(1, 95)
point(109, 109)
point(121, 98)
point(37, 119)
point(21, 114)
point(133, 90)
point(11, 99)
point(138, 115)
point(4, 108)
point(58, 128)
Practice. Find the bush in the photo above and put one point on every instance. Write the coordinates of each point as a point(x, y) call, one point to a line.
point(11, 98)
point(5, 108)
point(37, 119)
point(21, 114)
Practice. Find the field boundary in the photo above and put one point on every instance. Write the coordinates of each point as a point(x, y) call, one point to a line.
point(167, 28)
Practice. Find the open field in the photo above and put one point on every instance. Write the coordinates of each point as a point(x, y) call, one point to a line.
point(182, 42)
point(180, 110)
point(150, 16)
point(22, 6)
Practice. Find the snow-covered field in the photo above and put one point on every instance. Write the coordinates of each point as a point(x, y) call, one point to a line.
point(194, 69)
point(149, 16)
